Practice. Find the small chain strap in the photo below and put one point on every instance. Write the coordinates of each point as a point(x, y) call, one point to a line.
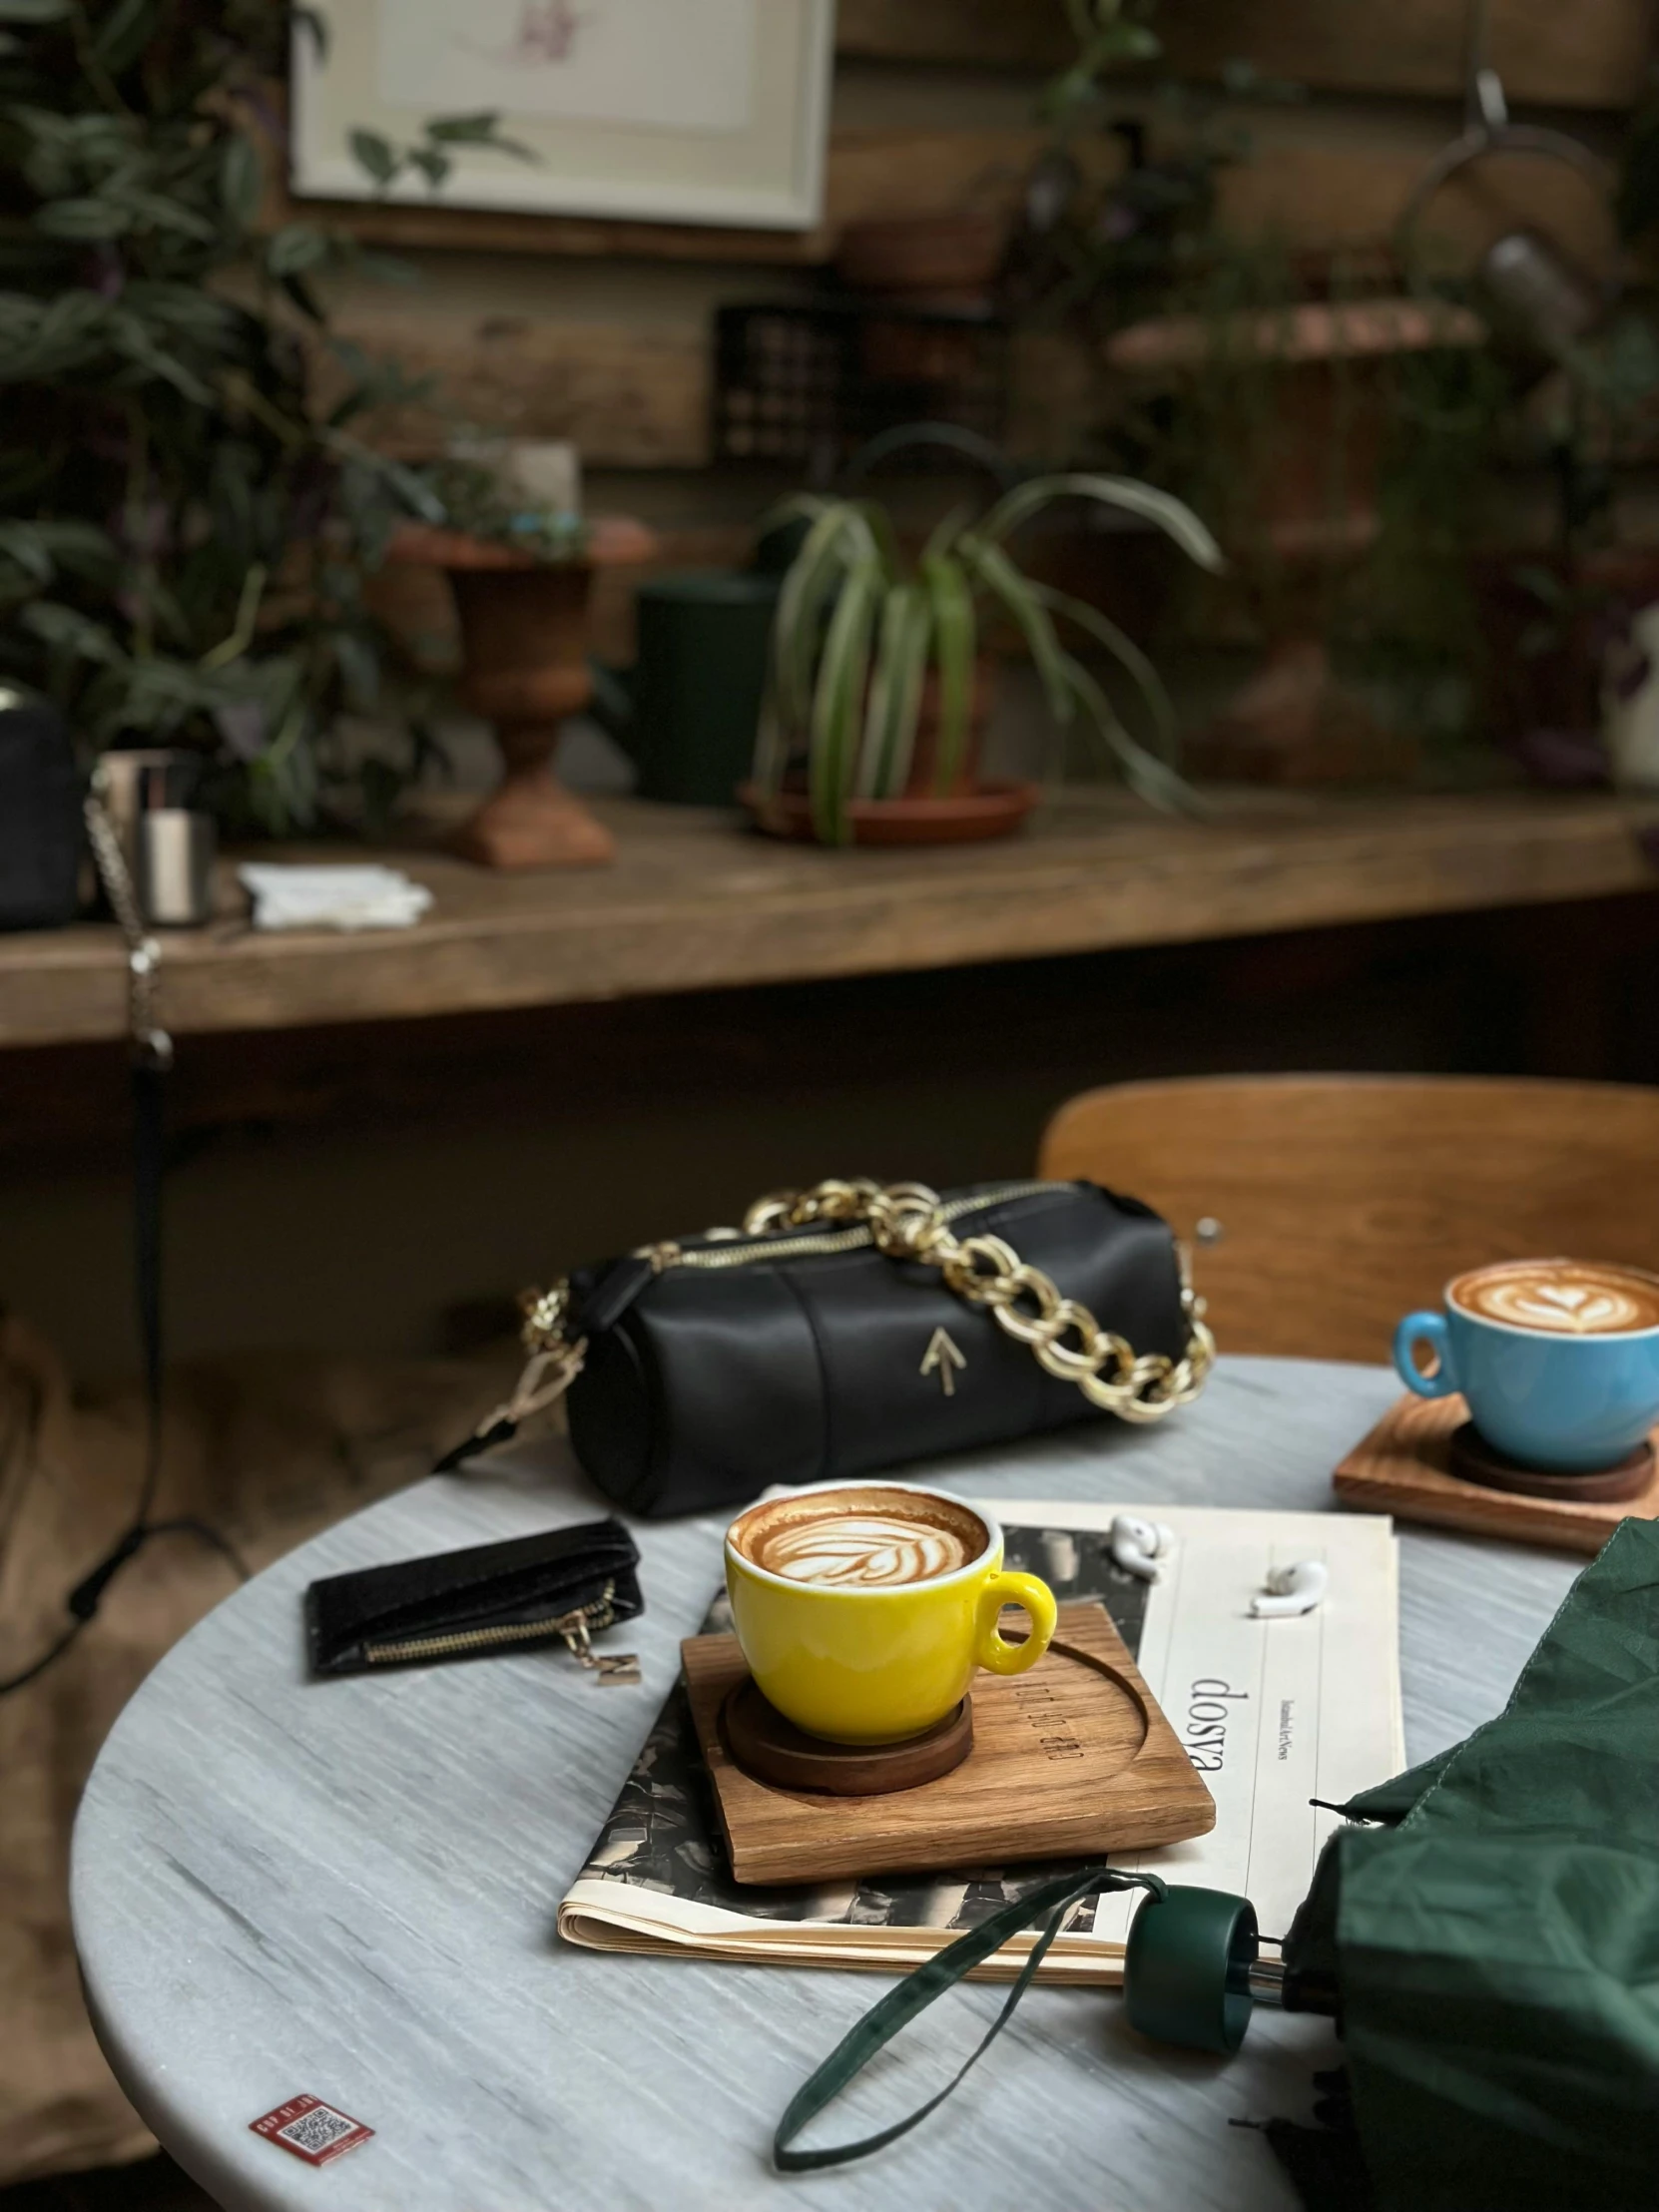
point(152, 1046)
point(908, 1222)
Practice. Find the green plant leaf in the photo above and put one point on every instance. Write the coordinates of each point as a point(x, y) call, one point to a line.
point(955, 643)
point(34, 11)
point(20, 544)
point(483, 130)
point(159, 212)
point(373, 155)
point(433, 165)
point(1018, 595)
point(1146, 776)
point(837, 701)
point(839, 538)
point(1129, 657)
point(41, 549)
point(124, 33)
point(1171, 515)
point(295, 247)
point(359, 666)
point(465, 130)
point(900, 666)
point(314, 24)
point(407, 484)
point(135, 341)
point(300, 294)
point(69, 632)
point(80, 548)
point(82, 219)
point(241, 178)
point(945, 532)
point(241, 636)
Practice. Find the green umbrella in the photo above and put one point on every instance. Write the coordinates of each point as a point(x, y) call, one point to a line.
point(1488, 1941)
point(1497, 1941)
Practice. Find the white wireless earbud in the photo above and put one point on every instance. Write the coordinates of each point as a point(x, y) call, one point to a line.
point(1138, 1546)
point(1292, 1590)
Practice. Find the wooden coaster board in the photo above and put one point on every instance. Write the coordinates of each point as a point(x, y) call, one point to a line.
point(1069, 1759)
point(1402, 1468)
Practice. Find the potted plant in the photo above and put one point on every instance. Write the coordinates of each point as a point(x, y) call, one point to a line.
point(520, 568)
point(189, 515)
point(878, 692)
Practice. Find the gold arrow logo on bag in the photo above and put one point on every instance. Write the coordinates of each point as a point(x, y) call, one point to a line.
point(943, 1354)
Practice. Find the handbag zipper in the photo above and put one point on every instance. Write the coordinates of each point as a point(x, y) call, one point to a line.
point(725, 1255)
point(573, 1627)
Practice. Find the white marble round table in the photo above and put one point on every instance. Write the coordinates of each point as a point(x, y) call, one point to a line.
point(349, 1888)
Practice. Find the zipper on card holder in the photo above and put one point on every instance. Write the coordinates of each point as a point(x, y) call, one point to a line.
point(575, 1629)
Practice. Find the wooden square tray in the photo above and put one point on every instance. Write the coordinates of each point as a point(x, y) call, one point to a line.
point(1402, 1467)
point(1071, 1760)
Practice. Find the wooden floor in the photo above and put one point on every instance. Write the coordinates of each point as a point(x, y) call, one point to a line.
point(694, 902)
point(153, 2185)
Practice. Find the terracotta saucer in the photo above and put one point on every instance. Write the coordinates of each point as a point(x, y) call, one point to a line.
point(990, 810)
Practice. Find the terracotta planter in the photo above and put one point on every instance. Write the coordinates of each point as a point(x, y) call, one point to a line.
point(524, 633)
point(988, 810)
point(524, 637)
point(966, 810)
point(1294, 721)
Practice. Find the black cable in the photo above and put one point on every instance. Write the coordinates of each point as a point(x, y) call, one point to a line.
point(149, 1158)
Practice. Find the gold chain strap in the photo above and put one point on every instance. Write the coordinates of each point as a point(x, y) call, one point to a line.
point(908, 1222)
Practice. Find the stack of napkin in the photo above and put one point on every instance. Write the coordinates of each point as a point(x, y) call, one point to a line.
point(345, 897)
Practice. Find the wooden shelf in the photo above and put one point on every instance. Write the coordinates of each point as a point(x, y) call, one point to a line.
point(693, 903)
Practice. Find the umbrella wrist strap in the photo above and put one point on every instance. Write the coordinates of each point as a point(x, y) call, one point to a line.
point(1049, 1903)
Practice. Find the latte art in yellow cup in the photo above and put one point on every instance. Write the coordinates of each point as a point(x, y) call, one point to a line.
point(880, 1545)
point(864, 1609)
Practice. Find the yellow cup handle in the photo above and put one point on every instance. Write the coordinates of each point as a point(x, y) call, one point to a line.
point(1007, 1587)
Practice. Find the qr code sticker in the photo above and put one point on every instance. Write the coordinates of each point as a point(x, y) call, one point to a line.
point(311, 2130)
point(317, 2129)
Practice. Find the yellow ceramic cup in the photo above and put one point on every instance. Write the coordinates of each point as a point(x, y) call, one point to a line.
point(867, 1664)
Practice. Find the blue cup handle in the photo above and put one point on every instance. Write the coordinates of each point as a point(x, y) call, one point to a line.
point(1429, 1329)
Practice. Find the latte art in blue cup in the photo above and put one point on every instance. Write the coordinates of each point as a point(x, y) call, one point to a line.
point(1558, 1359)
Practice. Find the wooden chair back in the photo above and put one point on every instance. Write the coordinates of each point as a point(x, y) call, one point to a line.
point(1341, 1202)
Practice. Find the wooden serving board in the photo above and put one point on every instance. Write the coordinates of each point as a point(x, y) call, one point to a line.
point(1071, 1758)
point(1402, 1468)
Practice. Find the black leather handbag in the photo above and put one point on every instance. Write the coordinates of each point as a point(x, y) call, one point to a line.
point(854, 1326)
point(40, 813)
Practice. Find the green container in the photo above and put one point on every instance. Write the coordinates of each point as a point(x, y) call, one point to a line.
point(687, 710)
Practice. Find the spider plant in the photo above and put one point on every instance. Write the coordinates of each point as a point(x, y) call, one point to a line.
point(858, 629)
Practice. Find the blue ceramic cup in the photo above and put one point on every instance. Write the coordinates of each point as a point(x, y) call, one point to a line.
point(1558, 1360)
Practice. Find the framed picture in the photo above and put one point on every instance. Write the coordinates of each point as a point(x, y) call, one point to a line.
point(676, 111)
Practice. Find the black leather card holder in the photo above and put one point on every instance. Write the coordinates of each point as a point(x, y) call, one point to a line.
point(560, 1587)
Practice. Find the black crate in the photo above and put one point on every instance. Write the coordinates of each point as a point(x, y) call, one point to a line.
point(802, 388)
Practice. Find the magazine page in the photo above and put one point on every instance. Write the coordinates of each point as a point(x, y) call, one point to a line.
point(1271, 1713)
